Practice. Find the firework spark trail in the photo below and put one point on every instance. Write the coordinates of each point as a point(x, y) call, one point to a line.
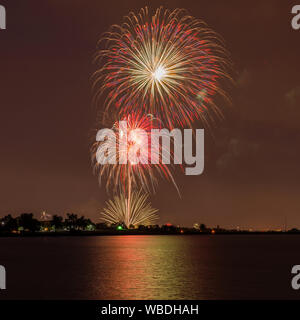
point(169, 64)
point(141, 212)
point(144, 173)
point(131, 174)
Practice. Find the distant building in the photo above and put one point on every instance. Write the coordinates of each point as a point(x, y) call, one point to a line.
point(45, 221)
point(196, 226)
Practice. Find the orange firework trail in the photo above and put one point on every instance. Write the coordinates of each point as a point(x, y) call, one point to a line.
point(169, 64)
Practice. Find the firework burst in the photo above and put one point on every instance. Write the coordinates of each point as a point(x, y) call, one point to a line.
point(134, 138)
point(169, 64)
point(141, 212)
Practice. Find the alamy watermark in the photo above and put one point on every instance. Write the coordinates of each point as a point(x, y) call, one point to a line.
point(296, 279)
point(296, 19)
point(2, 278)
point(2, 18)
point(139, 146)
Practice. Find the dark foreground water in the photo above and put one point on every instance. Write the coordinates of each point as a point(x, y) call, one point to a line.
point(150, 267)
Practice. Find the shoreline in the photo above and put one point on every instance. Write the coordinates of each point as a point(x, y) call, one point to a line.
point(137, 233)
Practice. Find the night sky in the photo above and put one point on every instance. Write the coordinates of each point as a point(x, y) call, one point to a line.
point(251, 177)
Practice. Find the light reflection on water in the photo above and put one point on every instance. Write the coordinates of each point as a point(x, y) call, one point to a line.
point(150, 267)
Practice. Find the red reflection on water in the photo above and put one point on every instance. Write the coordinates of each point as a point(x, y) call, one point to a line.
point(133, 267)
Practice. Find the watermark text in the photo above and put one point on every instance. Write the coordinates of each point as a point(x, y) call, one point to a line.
point(138, 146)
point(2, 18)
point(2, 278)
point(296, 19)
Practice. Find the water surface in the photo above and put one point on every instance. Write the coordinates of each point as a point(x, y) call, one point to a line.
point(150, 267)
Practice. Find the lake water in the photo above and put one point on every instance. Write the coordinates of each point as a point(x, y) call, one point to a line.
point(150, 267)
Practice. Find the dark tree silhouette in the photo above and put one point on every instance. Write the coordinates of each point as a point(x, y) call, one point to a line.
point(28, 223)
point(8, 224)
point(203, 227)
point(71, 221)
point(57, 222)
point(82, 223)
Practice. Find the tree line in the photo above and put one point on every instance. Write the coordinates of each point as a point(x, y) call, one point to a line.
point(26, 222)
